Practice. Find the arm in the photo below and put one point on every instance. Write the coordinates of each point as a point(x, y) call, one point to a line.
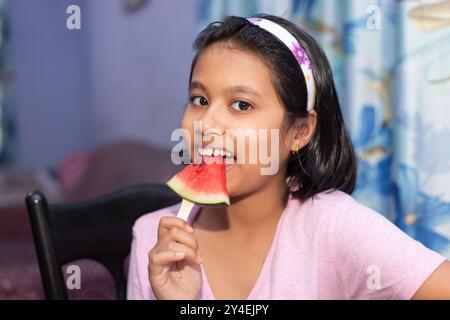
point(437, 286)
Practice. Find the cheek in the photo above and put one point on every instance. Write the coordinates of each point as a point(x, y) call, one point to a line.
point(284, 149)
point(271, 144)
point(246, 179)
point(243, 179)
point(187, 124)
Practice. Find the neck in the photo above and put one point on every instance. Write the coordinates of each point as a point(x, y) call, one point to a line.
point(248, 215)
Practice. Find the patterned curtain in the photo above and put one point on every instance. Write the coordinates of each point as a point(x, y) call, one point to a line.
point(391, 63)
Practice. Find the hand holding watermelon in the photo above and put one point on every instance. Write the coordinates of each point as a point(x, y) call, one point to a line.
point(174, 265)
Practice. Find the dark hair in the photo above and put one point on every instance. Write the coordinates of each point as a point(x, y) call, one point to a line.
point(327, 161)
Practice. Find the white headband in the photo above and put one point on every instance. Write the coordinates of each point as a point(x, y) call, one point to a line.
point(297, 50)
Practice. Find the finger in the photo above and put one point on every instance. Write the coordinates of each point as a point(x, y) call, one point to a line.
point(166, 223)
point(178, 235)
point(190, 254)
point(161, 259)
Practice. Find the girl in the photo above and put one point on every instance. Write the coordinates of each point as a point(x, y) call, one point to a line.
point(296, 234)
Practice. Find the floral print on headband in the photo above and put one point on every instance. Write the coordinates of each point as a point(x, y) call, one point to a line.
point(297, 50)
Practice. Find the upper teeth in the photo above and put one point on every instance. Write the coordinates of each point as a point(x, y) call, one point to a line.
point(216, 152)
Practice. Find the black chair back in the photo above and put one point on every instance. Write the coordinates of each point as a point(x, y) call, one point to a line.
point(99, 229)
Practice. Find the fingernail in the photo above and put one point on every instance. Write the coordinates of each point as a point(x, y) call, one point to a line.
point(179, 254)
point(189, 228)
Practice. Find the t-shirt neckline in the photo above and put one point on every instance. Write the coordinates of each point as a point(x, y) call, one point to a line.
point(267, 261)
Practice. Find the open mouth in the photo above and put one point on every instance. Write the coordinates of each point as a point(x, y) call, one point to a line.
point(209, 153)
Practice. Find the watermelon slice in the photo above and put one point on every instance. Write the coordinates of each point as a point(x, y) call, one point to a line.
point(203, 183)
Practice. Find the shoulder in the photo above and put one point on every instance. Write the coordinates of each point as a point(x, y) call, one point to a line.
point(361, 233)
point(336, 214)
point(341, 207)
point(324, 206)
point(314, 217)
point(332, 199)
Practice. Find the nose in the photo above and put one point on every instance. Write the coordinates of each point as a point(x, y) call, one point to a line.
point(211, 126)
point(212, 121)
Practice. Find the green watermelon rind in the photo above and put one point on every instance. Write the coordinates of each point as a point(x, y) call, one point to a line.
point(191, 195)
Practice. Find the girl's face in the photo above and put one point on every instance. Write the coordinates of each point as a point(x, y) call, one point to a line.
point(232, 89)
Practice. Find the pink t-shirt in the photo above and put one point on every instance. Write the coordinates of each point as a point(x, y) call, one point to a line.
point(328, 247)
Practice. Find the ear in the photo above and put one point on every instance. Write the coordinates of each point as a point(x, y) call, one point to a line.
point(303, 130)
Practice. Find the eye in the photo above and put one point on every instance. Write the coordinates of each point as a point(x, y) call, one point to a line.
point(241, 106)
point(199, 101)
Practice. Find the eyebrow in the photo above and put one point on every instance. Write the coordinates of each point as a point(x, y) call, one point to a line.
point(240, 88)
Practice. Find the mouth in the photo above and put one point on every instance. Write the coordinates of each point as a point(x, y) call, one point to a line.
point(217, 155)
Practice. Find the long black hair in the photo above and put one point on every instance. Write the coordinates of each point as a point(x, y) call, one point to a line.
point(328, 160)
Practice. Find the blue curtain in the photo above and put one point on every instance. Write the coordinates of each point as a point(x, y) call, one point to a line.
point(391, 63)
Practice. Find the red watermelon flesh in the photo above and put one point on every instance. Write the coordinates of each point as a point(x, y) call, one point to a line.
point(203, 183)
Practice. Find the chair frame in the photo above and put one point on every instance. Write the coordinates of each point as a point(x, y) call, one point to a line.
point(48, 231)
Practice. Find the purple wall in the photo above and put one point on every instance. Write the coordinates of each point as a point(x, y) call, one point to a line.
point(48, 81)
point(139, 69)
point(120, 76)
